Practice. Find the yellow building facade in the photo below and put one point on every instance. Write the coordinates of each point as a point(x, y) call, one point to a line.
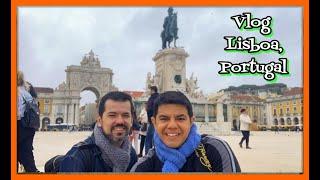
point(287, 111)
point(45, 105)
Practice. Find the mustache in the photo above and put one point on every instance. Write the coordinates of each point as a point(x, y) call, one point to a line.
point(120, 126)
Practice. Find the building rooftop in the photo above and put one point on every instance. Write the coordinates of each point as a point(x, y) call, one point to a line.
point(248, 98)
point(43, 90)
point(293, 91)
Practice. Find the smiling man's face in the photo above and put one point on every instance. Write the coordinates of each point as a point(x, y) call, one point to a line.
point(173, 124)
point(116, 120)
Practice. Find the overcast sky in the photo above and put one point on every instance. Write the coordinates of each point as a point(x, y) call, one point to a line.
point(126, 39)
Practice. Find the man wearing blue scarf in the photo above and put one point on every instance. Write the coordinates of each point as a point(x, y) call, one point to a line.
point(178, 147)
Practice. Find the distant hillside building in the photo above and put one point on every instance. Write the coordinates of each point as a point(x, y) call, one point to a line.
point(277, 88)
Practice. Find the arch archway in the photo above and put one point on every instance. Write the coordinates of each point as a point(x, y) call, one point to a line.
point(275, 122)
point(92, 89)
point(88, 110)
point(281, 121)
point(88, 76)
point(59, 120)
point(289, 121)
point(296, 120)
point(45, 122)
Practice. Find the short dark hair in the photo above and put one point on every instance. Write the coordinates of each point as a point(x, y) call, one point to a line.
point(172, 97)
point(154, 88)
point(116, 96)
point(242, 110)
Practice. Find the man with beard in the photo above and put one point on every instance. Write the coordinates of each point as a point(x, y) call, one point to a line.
point(108, 149)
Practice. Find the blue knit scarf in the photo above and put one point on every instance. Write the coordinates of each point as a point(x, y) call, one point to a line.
point(174, 159)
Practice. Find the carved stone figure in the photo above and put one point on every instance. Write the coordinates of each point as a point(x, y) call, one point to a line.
point(192, 86)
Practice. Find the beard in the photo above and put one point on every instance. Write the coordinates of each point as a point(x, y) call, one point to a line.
point(118, 133)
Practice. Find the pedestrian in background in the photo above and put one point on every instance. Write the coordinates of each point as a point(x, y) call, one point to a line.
point(143, 120)
point(150, 130)
point(245, 122)
point(25, 134)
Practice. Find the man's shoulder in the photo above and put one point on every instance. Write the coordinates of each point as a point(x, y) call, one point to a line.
point(84, 148)
point(214, 142)
point(24, 93)
point(145, 164)
point(153, 96)
point(217, 148)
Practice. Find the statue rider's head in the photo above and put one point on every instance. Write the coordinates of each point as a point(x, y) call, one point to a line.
point(170, 10)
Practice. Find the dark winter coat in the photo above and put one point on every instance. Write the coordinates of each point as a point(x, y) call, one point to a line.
point(218, 153)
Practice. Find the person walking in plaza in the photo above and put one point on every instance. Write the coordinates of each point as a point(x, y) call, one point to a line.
point(134, 136)
point(276, 131)
point(150, 130)
point(143, 120)
point(245, 122)
point(178, 147)
point(108, 149)
point(25, 134)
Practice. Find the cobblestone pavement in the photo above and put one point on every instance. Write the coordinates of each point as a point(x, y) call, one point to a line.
point(270, 153)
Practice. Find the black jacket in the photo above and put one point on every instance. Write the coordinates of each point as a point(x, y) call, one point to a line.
point(86, 157)
point(150, 104)
point(218, 153)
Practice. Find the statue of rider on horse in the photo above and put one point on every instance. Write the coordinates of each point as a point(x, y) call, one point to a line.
point(170, 29)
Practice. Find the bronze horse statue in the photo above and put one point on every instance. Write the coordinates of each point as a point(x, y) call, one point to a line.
point(170, 32)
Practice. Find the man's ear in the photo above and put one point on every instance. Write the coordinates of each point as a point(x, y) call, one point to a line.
point(153, 120)
point(192, 119)
point(99, 121)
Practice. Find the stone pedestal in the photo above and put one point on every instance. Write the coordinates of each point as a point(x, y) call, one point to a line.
point(170, 72)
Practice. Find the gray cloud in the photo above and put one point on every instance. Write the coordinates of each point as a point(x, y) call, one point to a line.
point(126, 39)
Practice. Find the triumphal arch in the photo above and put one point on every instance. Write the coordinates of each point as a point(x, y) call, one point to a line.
point(88, 76)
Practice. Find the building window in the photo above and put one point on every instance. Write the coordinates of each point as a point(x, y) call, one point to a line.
point(211, 113)
point(294, 109)
point(288, 110)
point(225, 113)
point(60, 110)
point(281, 113)
point(199, 112)
point(46, 109)
point(294, 102)
point(274, 112)
point(46, 101)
